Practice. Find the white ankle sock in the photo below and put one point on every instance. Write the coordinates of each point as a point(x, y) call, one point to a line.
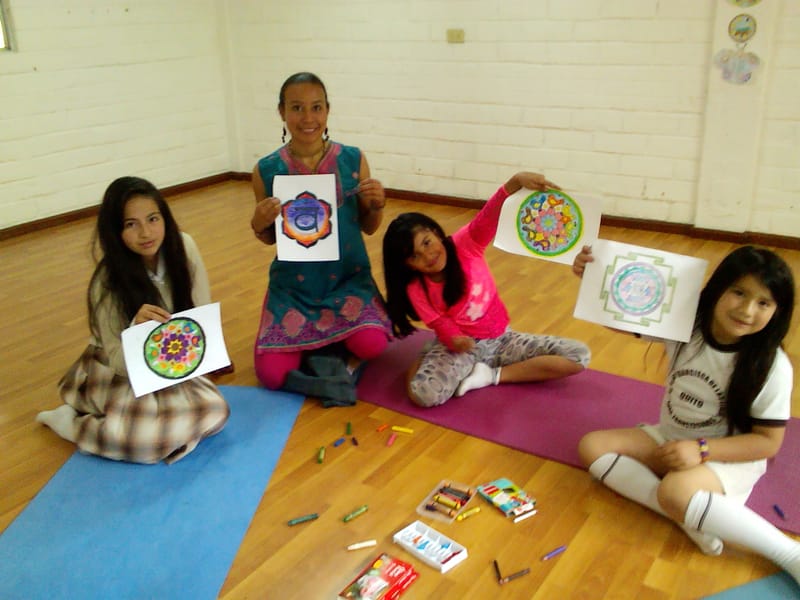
point(61, 420)
point(718, 515)
point(481, 376)
point(632, 479)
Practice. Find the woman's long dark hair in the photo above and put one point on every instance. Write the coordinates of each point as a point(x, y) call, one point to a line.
point(755, 352)
point(398, 247)
point(119, 271)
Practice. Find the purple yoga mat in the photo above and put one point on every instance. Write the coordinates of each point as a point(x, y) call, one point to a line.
point(549, 418)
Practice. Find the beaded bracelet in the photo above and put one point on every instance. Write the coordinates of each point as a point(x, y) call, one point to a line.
point(704, 451)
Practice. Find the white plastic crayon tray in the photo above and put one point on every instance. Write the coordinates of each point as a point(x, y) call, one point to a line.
point(430, 546)
point(454, 511)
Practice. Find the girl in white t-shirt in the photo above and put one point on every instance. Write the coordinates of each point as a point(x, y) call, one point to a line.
point(724, 413)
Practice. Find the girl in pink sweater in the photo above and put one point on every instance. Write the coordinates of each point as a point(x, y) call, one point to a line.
point(445, 282)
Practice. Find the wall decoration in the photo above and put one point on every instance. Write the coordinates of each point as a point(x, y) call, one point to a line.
point(744, 3)
point(306, 229)
point(641, 290)
point(742, 28)
point(159, 355)
point(737, 66)
point(550, 225)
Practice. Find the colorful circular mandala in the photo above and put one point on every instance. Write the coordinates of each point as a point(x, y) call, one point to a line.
point(638, 288)
point(175, 349)
point(549, 223)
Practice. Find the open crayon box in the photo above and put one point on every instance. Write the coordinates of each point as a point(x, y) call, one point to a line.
point(430, 546)
point(446, 501)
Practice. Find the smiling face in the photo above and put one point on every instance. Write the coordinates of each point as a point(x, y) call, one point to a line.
point(143, 229)
point(305, 112)
point(746, 307)
point(429, 256)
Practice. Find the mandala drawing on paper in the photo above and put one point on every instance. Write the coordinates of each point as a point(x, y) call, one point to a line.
point(175, 349)
point(549, 223)
point(306, 219)
point(638, 288)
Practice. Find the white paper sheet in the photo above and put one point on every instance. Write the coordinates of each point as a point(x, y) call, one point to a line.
point(190, 344)
point(550, 225)
point(307, 230)
point(642, 290)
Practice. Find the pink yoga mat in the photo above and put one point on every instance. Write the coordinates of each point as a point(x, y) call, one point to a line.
point(549, 418)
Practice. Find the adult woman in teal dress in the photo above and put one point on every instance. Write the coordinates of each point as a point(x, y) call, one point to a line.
point(313, 305)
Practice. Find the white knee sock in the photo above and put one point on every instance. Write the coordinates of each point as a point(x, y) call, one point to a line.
point(718, 515)
point(61, 420)
point(632, 479)
point(481, 376)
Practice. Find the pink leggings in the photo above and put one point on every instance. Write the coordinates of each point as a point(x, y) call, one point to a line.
point(273, 367)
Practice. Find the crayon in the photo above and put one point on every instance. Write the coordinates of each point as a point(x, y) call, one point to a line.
point(460, 500)
point(364, 544)
point(338, 442)
point(381, 427)
point(321, 454)
point(451, 556)
point(460, 488)
point(446, 501)
point(354, 440)
point(508, 578)
point(778, 511)
point(554, 552)
point(402, 429)
point(303, 519)
point(468, 513)
point(349, 429)
point(359, 511)
point(497, 570)
point(391, 439)
point(441, 508)
point(450, 491)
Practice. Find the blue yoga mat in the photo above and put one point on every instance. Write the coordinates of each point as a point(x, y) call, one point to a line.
point(775, 587)
point(103, 529)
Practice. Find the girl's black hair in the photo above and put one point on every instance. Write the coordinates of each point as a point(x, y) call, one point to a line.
point(120, 272)
point(755, 352)
point(398, 247)
point(303, 77)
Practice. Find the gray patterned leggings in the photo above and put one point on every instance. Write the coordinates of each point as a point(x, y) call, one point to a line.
point(441, 370)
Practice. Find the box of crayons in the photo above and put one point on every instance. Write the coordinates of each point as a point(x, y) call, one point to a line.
point(431, 547)
point(446, 501)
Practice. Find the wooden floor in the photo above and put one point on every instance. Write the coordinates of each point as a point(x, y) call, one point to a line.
point(615, 548)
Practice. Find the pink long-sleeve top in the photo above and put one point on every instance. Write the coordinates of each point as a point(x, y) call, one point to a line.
point(480, 313)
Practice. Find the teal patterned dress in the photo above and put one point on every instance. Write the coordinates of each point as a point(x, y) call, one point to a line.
point(313, 304)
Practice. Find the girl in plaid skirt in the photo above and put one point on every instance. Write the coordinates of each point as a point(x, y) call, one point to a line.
point(148, 270)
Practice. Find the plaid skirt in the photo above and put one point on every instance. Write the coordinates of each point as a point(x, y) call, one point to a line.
point(113, 423)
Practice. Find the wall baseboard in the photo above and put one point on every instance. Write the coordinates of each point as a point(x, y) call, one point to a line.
point(746, 237)
point(91, 211)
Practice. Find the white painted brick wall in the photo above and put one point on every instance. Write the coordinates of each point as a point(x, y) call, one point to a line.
point(97, 89)
point(605, 96)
